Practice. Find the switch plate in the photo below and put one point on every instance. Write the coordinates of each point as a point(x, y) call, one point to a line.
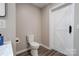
point(2, 24)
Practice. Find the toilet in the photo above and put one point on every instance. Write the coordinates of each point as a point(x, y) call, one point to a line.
point(33, 45)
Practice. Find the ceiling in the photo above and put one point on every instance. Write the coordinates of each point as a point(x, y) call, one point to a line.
point(40, 5)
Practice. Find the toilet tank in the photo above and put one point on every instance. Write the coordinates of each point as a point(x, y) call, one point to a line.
point(30, 38)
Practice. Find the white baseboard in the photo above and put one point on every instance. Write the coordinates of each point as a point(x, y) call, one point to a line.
point(22, 51)
point(45, 46)
point(29, 48)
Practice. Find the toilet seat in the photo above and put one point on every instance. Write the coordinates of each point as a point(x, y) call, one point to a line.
point(34, 44)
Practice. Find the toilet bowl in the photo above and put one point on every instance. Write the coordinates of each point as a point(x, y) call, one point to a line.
point(33, 45)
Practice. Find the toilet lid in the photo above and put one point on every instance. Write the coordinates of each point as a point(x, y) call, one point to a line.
point(34, 44)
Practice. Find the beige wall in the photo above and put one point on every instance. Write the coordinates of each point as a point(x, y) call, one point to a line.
point(31, 19)
point(28, 21)
point(45, 24)
point(10, 31)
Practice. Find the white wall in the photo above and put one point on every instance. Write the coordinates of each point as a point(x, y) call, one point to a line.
point(28, 20)
point(76, 30)
point(10, 31)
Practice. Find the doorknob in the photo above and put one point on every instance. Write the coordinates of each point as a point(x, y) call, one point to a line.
point(70, 29)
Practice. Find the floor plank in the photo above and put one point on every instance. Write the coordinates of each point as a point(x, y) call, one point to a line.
point(42, 51)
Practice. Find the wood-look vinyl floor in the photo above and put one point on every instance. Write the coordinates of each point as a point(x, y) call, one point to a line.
point(43, 52)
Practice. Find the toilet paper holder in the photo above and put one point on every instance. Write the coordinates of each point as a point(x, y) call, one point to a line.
point(17, 40)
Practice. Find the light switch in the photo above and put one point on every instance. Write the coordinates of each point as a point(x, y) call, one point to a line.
point(2, 24)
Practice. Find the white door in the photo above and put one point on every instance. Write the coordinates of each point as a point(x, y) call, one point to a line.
point(63, 19)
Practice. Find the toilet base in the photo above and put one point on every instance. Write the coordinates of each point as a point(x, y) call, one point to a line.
point(34, 52)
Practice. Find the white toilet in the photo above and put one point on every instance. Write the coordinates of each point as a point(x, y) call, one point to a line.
point(33, 45)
